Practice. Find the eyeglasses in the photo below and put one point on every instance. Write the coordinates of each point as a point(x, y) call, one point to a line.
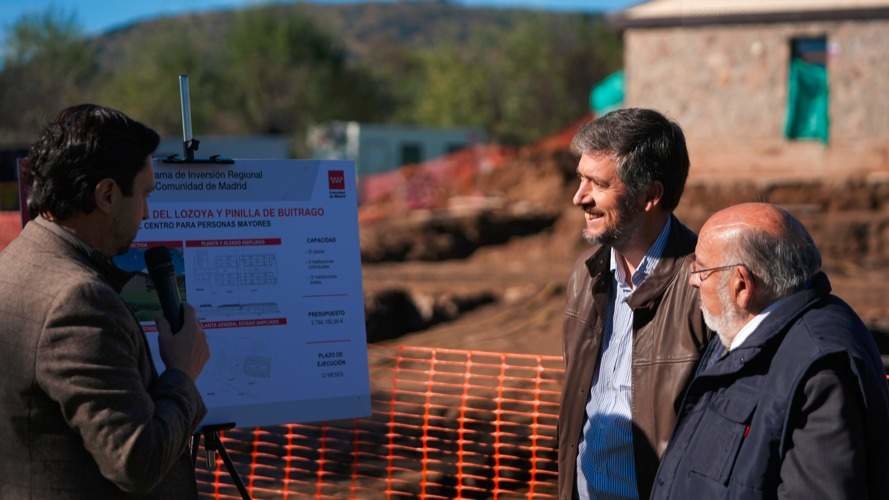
point(703, 274)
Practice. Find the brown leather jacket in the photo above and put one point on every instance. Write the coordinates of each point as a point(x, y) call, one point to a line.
point(668, 337)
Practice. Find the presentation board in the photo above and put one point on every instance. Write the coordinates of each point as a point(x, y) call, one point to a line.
point(267, 252)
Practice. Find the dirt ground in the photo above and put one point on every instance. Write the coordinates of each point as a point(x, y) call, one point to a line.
point(524, 277)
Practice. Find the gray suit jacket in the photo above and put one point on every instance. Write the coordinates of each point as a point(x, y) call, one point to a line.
point(83, 412)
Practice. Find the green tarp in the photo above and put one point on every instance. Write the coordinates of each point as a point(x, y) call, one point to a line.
point(608, 95)
point(807, 102)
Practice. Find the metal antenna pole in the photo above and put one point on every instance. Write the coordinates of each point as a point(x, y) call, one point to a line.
point(189, 144)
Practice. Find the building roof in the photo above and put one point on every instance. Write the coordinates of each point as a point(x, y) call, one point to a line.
point(656, 13)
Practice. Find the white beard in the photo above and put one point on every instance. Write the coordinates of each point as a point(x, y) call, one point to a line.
point(728, 324)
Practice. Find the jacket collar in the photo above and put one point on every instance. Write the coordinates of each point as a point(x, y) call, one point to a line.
point(648, 263)
point(773, 327)
point(680, 243)
point(81, 251)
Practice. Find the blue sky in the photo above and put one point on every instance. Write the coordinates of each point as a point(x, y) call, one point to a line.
point(96, 16)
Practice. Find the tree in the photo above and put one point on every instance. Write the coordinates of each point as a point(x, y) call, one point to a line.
point(519, 83)
point(286, 73)
point(48, 65)
point(457, 89)
point(146, 84)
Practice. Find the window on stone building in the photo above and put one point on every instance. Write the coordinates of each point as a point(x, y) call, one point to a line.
point(808, 96)
point(811, 50)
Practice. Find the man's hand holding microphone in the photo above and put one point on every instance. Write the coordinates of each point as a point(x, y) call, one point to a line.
point(182, 341)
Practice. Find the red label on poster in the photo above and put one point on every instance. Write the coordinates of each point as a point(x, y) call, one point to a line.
point(336, 179)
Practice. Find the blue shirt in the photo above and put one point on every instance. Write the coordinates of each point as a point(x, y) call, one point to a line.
point(605, 461)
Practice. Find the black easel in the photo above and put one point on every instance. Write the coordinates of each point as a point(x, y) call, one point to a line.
point(212, 443)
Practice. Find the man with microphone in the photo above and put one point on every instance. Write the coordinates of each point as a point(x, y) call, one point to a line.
point(83, 412)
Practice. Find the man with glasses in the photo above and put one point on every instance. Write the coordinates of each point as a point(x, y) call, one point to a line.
point(791, 400)
point(633, 326)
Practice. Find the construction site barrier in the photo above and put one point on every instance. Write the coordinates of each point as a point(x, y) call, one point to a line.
point(453, 424)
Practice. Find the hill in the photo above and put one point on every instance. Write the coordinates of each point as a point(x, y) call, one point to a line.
point(369, 31)
point(277, 69)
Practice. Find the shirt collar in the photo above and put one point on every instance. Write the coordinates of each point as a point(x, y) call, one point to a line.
point(754, 322)
point(649, 261)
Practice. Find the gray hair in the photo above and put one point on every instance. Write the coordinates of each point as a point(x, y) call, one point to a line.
point(782, 264)
point(647, 145)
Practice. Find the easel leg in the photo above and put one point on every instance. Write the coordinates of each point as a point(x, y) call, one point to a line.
point(212, 441)
point(214, 445)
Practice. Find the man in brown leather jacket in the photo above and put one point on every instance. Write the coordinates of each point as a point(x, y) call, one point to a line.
point(633, 325)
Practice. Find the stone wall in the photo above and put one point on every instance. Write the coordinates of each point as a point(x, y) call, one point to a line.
point(728, 83)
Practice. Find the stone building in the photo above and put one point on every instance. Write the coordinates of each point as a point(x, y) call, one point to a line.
point(724, 70)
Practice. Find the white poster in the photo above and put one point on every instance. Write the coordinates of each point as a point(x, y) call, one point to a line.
point(267, 252)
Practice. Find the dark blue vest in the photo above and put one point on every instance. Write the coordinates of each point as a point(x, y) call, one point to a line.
point(733, 422)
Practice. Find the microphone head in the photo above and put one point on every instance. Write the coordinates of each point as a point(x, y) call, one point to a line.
point(156, 257)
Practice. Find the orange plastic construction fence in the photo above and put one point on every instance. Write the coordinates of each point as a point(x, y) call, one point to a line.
point(455, 424)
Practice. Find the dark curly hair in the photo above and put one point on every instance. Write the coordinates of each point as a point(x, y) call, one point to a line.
point(648, 147)
point(83, 145)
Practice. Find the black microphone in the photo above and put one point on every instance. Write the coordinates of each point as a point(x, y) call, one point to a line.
point(163, 275)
